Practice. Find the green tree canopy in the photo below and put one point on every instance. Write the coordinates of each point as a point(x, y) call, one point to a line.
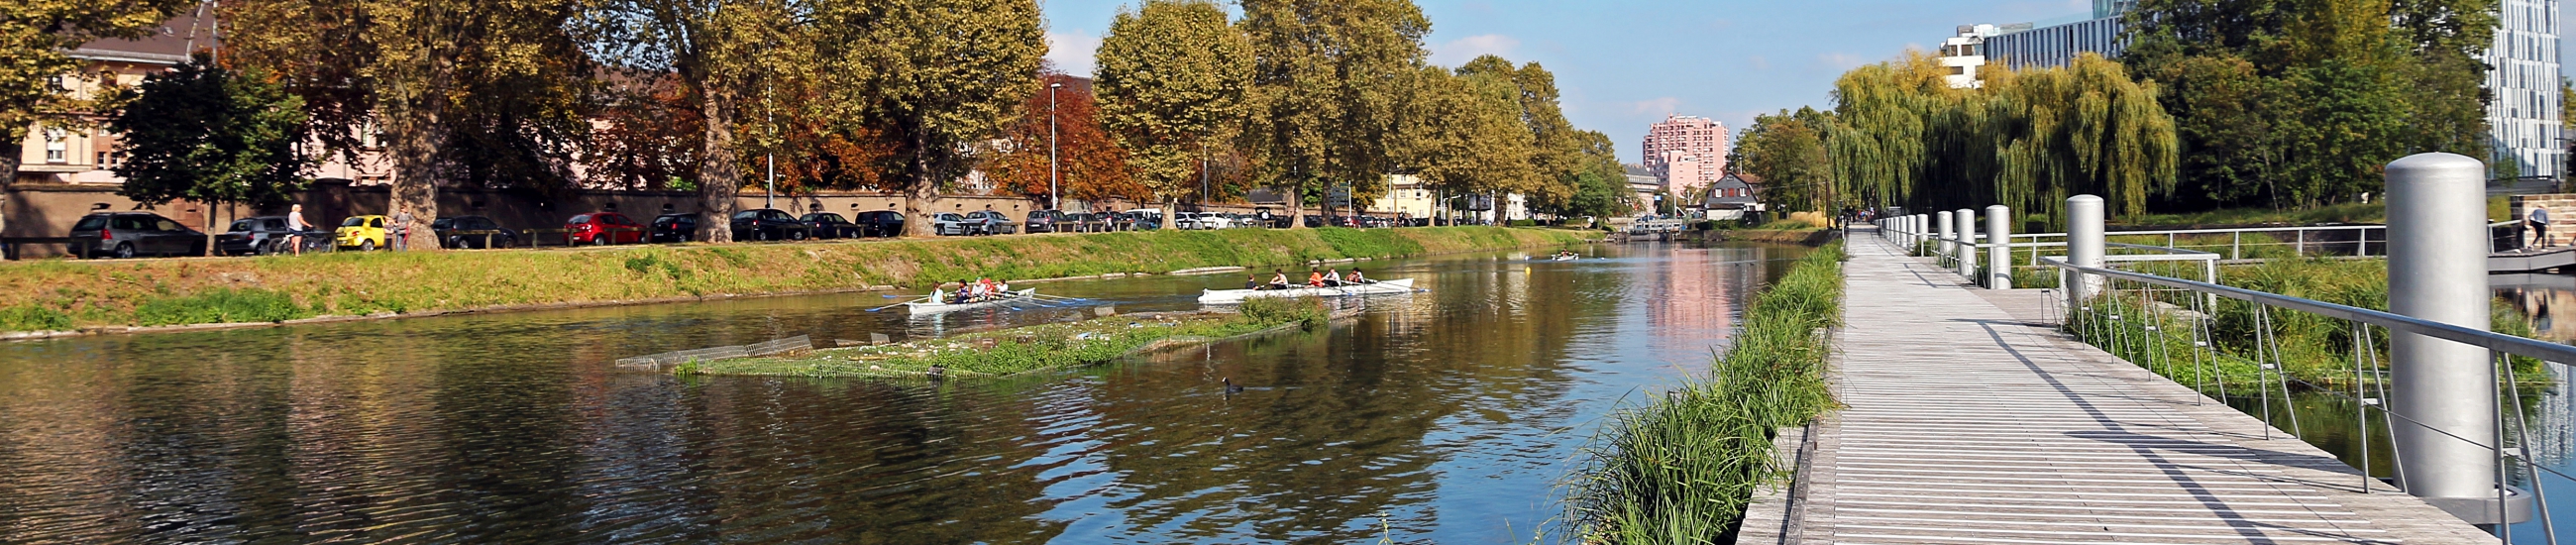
point(208, 135)
point(36, 39)
point(1329, 77)
point(1172, 80)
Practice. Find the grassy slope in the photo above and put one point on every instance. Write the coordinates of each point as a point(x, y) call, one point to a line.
point(58, 295)
point(1683, 468)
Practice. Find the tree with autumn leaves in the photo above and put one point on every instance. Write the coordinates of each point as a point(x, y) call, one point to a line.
point(1089, 162)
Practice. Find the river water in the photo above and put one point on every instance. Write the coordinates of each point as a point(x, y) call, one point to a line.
point(1450, 416)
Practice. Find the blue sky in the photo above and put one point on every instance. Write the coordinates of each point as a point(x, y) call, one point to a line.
point(1624, 64)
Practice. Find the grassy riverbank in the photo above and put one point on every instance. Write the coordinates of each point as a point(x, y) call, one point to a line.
point(1035, 348)
point(1683, 468)
point(65, 295)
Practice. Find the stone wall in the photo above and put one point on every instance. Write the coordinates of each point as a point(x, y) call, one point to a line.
point(2562, 215)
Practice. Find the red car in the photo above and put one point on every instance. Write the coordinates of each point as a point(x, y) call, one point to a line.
point(604, 228)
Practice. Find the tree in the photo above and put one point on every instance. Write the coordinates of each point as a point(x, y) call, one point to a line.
point(1463, 134)
point(1092, 164)
point(36, 37)
point(1601, 184)
point(720, 50)
point(1328, 79)
point(1173, 78)
point(476, 93)
point(931, 79)
point(1556, 152)
point(208, 135)
point(1787, 151)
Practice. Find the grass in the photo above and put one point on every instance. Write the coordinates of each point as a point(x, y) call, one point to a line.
point(2314, 349)
point(61, 294)
point(1036, 348)
point(1683, 468)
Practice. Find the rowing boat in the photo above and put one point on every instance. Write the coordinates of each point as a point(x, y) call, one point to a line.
point(1223, 297)
point(1565, 258)
point(933, 306)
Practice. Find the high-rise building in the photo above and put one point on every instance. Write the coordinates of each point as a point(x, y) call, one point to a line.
point(2522, 115)
point(2524, 84)
point(1686, 152)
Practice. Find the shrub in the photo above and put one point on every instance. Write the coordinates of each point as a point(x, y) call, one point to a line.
point(220, 305)
point(1278, 310)
point(34, 318)
point(1521, 223)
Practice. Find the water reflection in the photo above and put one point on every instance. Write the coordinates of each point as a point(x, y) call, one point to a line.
point(1443, 416)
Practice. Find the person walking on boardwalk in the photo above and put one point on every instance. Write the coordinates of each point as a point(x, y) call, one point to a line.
point(2538, 219)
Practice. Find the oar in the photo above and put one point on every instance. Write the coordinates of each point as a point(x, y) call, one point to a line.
point(899, 304)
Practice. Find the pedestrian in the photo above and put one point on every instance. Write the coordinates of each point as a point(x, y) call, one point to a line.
point(296, 224)
point(2539, 221)
point(402, 229)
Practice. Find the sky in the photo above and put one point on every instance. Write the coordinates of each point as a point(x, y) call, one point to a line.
point(1622, 65)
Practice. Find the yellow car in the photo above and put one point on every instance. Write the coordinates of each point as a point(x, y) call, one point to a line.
point(366, 233)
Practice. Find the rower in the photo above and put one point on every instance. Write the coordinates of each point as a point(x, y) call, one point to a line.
point(1314, 278)
point(1279, 279)
point(1355, 278)
point(1333, 278)
point(1252, 282)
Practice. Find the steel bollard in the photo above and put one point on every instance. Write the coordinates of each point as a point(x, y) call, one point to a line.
point(1999, 260)
point(2446, 390)
point(2083, 248)
point(1967, 235)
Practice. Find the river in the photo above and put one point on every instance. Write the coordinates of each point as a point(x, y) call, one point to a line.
point(1449, 416)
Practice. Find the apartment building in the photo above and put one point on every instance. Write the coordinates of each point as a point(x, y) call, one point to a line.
point(1686, 152)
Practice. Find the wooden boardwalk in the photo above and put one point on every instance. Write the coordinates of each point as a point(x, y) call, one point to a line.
point(1967, 421)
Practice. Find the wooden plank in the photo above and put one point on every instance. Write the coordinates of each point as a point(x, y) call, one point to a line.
point(1968, 421)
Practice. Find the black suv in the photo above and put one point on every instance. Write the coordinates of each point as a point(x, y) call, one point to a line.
point(830, 225)
point(880, 223)
point(473, 232)
point(768, 224)
point(131, 234)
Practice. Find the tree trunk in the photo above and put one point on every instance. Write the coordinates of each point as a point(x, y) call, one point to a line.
point(923, 195)
point(415, 153)
point(1295, 200)
point(719, 177)
point(9, 150)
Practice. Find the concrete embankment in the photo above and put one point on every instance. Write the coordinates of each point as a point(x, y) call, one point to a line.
point(50, 298)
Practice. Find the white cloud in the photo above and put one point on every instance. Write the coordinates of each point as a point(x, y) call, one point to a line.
point(1657, 107)
point(1758, 62)
point(1840, 61)
point(1459, 51)
point(1073, 51)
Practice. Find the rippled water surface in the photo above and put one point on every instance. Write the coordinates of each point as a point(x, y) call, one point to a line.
point(1448, 416)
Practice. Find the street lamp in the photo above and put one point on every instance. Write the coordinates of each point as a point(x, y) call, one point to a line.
point(1054, 200)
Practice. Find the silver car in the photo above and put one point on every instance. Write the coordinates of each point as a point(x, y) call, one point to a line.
point(954, 224)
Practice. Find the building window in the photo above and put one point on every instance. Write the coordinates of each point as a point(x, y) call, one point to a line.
point(57, 146)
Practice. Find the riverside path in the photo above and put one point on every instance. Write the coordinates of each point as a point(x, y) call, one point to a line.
point(1967, 420)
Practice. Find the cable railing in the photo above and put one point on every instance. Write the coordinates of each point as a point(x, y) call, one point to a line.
point(2414, 386)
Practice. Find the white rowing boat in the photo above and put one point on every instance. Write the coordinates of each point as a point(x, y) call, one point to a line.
point(933, 306)
point(1565, 258)
point(1222, 297)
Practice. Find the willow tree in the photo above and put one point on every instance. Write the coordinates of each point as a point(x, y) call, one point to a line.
point(2085, 128)
point(1172, 80)
point(1884, 110)
point(1328, 78)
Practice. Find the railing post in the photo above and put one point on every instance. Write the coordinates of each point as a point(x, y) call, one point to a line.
point(1999, 260)
point(1967, 222)
point(1941, 228)
point(2446, 390)
point(2083, 248)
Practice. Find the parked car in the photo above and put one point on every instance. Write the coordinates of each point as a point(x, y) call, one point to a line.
point(1144, 219)
point(953, 224)
point(1314, 220)
point(254, 236)
point(1116, 221)
point(1213, 220)
point(880, 223)
point(473, 232)
point(603, 228)
point(672, 228)
point(830, 225)
point(132, 234)
point(1045, 221)
point(768, 224)
point(366, 233)
point(992, 222)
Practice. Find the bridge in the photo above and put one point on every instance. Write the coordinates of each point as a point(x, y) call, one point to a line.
point(1970, 419)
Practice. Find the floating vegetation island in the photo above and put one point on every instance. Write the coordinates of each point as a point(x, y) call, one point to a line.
point(1041, 347)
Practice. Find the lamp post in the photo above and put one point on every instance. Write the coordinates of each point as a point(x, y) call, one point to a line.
point(1054, 199)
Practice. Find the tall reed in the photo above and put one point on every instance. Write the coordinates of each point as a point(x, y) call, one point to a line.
point(1682, 468)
